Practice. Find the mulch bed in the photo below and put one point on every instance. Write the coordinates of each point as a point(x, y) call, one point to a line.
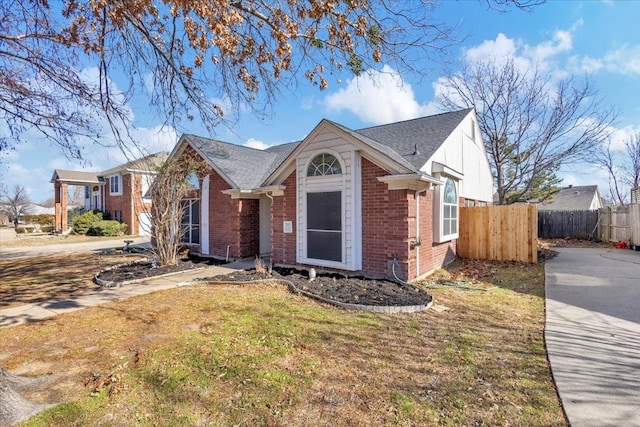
point(339, 288)
point(332, 287)
point(146, 269)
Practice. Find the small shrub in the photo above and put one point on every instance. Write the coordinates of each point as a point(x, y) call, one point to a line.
point(82, 223)
point(42, 219)
point(20, 230)
point(47, 228)
point(106, 228)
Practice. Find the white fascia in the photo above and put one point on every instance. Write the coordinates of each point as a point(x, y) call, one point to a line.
point(409, 181)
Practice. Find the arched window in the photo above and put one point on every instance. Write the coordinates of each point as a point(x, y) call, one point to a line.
point(324, 164)
point(193, 181)
point(450, 209)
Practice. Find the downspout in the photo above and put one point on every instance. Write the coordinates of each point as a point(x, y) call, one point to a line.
point(418, 240)
point(268, 194)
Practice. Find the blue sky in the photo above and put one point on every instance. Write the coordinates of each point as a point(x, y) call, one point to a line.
point(600, 38)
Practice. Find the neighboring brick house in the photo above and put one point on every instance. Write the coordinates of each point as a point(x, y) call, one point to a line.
point(117, 191)
point(372, 202)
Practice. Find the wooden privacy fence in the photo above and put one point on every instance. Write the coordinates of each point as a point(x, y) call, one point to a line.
point(620, 223)
point(568, 224)
point(501, 233)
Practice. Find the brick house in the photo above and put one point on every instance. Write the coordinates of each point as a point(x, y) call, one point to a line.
point(118, 191)
point(376, 202)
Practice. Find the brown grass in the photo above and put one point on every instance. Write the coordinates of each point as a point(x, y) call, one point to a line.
point(33, 280)
point(258, 355)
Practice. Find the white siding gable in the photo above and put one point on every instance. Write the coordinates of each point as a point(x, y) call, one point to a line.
point(463, 152)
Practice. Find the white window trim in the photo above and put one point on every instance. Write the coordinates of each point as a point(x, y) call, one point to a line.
point(119, 179)
point(319, 184)
point(438, 209)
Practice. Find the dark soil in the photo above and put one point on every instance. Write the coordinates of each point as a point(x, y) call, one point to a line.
point(333, 287)
point(339, 288)
point(147, 269)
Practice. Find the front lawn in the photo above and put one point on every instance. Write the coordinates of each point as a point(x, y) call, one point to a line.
point(259, 355)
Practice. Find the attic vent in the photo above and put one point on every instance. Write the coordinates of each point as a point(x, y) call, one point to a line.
point(576, 192)
point(415, 150)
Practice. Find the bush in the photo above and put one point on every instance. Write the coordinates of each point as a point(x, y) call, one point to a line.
point(42, 219)
point(82, 223)
point(23, 229)
point(47, 228)
point(107, 228)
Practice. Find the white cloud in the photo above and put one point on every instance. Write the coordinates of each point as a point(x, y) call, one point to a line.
point(500, 49)
point(378, 97)
point(524, 56)
point(624, 60)
point(254, 143)
point(562, 42)
point(620, 136)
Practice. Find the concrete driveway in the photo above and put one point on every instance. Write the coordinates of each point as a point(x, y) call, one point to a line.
point(593, 334)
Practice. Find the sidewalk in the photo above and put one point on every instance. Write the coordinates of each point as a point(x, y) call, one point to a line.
point(34, 312)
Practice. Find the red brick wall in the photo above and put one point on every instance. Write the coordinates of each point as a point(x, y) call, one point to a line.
point(388, 227)
point(232, 222)
point(123, 202)
point(283, 209)
point(385, 225)
point(432, 255)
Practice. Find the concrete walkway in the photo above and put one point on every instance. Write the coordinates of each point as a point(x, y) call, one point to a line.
point(39, 311)
point(593, 334)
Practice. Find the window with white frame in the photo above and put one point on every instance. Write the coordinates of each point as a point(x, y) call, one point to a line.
point(324, 209)
point(190, 221)
point(324, 164)
point(446, 209)
point(115, 185)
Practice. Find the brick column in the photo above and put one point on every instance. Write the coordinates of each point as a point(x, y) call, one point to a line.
point(61, 218)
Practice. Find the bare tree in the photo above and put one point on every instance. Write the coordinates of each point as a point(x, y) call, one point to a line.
point(169, 190)
point(182, 55)
point(531, 126)
point(632, 146)
point(75, 198)
point(607, 159)
point(623, 168)
point(15, 202)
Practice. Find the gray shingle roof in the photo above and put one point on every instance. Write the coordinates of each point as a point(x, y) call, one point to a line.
point(247, 168)
point(573, 198)
point(76, 177)
point(244, 167)
point(426, 134)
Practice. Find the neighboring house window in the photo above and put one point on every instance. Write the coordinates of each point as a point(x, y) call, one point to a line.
point(324, 164)
point(191, 221)
point(449, 211)
point(146, 184)
point(115, 185)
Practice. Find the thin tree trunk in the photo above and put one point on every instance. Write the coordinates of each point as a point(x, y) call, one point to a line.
point(13, 407)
